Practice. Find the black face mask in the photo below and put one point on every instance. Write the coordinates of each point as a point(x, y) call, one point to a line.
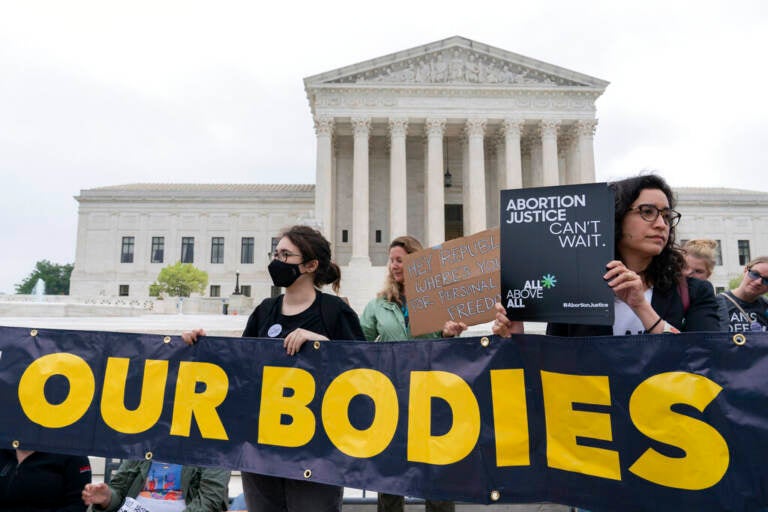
point(283, 274)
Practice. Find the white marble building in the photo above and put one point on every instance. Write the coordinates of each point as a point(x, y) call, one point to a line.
point(418, 142)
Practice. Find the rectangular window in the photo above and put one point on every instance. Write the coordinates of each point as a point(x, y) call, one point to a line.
point(245, 290)
point(122, 290)
point(187, 249)
point(744, 252)
point(215, 290)
point(158, 249)
point(344, 236)
point(378, 236)
point(718, 253)
point(217, 249)
point(126, 252)
point(246, 249)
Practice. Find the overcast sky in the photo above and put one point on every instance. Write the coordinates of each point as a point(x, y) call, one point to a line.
point(104, 93)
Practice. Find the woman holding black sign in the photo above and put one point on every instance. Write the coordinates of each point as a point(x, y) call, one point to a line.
point(385, 318)
point(652, 296)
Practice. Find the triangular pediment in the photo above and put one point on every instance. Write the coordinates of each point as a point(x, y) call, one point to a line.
point(455, 61)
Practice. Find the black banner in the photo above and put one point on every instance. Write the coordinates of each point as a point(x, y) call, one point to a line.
point(675, 422)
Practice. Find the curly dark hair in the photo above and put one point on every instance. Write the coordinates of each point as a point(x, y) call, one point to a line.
point(314, 246)
point(665, 269)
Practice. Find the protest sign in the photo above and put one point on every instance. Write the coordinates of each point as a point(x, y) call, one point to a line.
point(555, 243)
point(604, 423)
point(458, 280)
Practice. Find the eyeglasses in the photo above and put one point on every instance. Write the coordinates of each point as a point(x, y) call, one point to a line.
point(283, 255)
point(650, 213)
point(754, 275)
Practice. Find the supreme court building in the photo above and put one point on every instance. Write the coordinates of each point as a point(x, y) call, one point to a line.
point(416, 142)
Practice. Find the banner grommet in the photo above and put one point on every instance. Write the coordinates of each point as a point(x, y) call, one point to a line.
point(316, 345)
point(308, 472)
point(15, 443)
point(484, 341)
point(33, 332)
point(739, 339)
point(167, 339)
point(495, 495)
point(148, 455)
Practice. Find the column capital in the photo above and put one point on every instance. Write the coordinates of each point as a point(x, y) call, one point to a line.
point(324, 125)
point(586, 127)
point(512, 126)
point(435, 127)
point(549, 127)
point(475, 127)
point(361, 125)
point(398, 126)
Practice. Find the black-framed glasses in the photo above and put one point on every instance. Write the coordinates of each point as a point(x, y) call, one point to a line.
point(650, 213)
point(754, 275)
point(283, 255)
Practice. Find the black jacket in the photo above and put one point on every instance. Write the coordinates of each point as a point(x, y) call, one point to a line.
point(701, 315)
point(43, 482)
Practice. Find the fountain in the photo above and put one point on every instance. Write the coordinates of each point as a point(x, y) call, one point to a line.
point(39, 290)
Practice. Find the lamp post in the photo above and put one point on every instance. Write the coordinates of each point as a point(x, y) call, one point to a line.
point(237, 283)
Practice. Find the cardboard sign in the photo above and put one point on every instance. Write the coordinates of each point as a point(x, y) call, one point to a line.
point(458, 280)
point(555, 243)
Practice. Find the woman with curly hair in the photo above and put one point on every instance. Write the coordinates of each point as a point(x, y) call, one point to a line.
point(652, 295)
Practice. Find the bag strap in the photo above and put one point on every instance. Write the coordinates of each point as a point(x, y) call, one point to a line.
point(759, 318)
point(682, 288)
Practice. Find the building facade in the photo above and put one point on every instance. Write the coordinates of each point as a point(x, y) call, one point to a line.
point(417, 142)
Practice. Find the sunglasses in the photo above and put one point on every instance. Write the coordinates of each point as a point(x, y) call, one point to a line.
point(754, 275)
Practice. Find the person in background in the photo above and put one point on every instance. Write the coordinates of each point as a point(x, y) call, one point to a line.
point(161, 487)
point(746, 308)
point(386, 318)
point(302, 264)
point(33, 481)
point(699, 258)
point(647, 278)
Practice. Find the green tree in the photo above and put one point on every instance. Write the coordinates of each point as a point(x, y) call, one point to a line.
point(56, 278)
point(179, 280)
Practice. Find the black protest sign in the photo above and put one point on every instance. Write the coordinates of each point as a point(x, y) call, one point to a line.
point(555, 243)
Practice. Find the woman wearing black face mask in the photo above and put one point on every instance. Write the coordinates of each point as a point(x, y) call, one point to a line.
point(302, 263)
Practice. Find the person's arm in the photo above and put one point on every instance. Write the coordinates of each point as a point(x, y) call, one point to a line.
point(212, 494)
point(368, 322)
point(702, 314)
point(503, 326)
point(77, 474)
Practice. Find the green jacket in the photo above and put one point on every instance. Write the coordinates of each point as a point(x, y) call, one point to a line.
point(384, 321)
point(205, 489)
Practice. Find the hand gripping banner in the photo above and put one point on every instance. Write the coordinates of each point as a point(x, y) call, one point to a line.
point(607, 423)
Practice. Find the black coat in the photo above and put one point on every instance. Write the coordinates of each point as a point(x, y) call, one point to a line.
point(701, 315)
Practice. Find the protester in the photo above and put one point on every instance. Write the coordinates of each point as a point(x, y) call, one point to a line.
point(161, 487)
point(386, 318)
point(302, 263)
point(699, 258)
point(651, 294)
point(745, 308)
point(33, 481)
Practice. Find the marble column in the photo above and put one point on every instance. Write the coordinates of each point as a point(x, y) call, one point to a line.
point(474, 178)
point(434, 187)
point(323, 176)
point(549, 169)
point(398, 189)
point(511, 129)
point(586, 133)
point(572, 169)
point(360, 200)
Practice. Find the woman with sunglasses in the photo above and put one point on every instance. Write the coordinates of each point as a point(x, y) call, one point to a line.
point(651, 294)
point(302, 264)
point(745, 308)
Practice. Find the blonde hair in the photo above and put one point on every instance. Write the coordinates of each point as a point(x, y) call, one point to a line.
point(392, 290)
point(703, 249)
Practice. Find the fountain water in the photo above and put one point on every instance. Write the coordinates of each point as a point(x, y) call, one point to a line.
point(39, 290)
